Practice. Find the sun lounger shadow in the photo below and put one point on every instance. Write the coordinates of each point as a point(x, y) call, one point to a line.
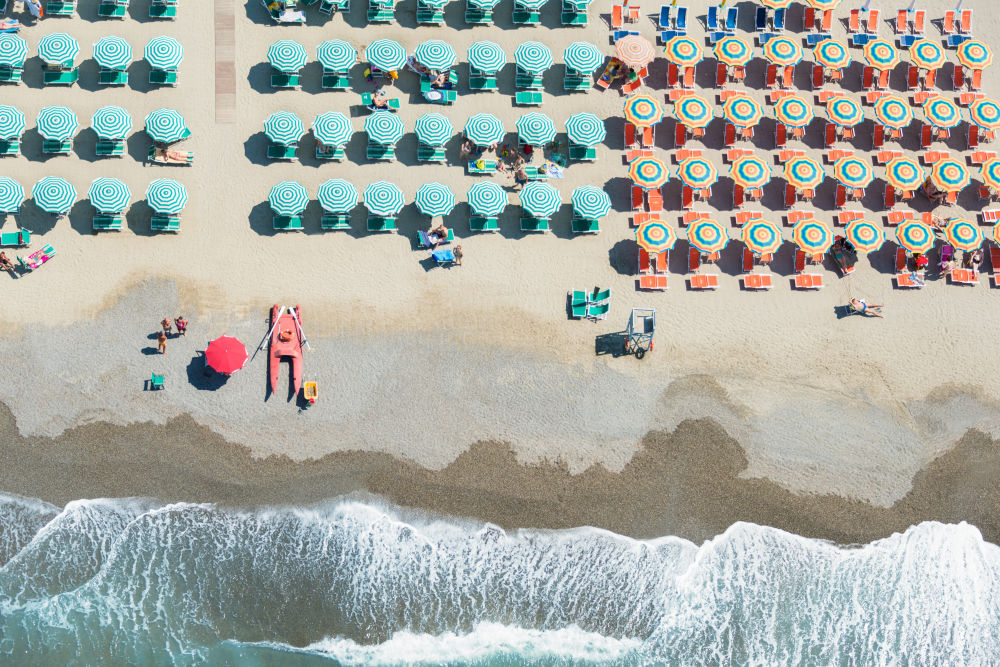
point(137, 218)
point(255, 148)
point(611, 343)
point(203, 378)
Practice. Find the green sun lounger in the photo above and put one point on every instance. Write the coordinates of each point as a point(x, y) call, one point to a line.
point(10, 74)
point(527, 80)
point(381, 151)
point(574, 81)
point(530, 223)
point(328, 7)
point(598, 311)
point(330, 152)
point(582, 153)
point(488, 168)
point(578, 302)
point(523, 16)
point(163, 77)
point(112, 77)
point(282, 152)
point(18, 239)
point(420, 240)
point(112, 10)
point(337, 221)
point(535, 174)
point(481, 223)
point(287, 223)
point(57, 147)
point(110, 148)
point(335, 81)
point(377, 223)
point(430, 16)
point(585, 225)
point(163, 10)
point(108, 222)
point(426, 153)
point(156, 382)
point(366, 100)
point(531, 98)
point(284, 80)
point(381, 13)
point(60, 77)
point(165, 223)
point(10, 147)
point(569, 16)
point(481, 81)
point(59, 8)
point(447, 96)
point(478, 16)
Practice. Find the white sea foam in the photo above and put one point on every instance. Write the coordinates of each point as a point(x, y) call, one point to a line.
point(126, 581)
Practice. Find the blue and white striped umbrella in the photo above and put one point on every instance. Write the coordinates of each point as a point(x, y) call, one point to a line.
point(486, 5)
point(433, 129)
point(540, 200)
point(336, 55)
point(112, 52)
point(54, 195)
point(166, 196)
point(111, 123)
point(13, 50)
point(386, 54)
point(383, 198)
point(337, 195)
point(583, 57)
point(109, 195)
point(486, 56)
point(484, 129)
point(288, 198)
point(585, 129)
point(11, 195)
point(11, 122)
point(384, 128)
point(283, 127)
point(332, 128)
point(435, 54)
point(57, 123)
point(434, 199)
point(165, 125)
point(163, 53)
point(535, 129)
point(486, 198)
point(58, 48)
point(591, 202)
point(533, 57)
point(287, 55)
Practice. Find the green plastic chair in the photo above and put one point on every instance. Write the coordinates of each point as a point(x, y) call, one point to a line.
point(156, 381)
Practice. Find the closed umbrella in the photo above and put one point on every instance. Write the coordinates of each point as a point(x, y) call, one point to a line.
point(915, 236)
point(487, 57)
point(762, 237)
point(927, 54)
point(434, 199)
point(964, 234)
point(844, 111)
point(812, 236)
point(11, 122)
point(435, 54)
point(733, 51)
point(864, 235)
point(648, 173)
point(894, 112)
point(384, 128)
point(332, 128)
point(697, 173)
point(590, 202)
point(881, 55)
point(386, 54)
point(287, 55)
point(163, 53)
point(54, 195)
point(533, 57)
point(804, 173)
point(11, 195)
point(793, 111)
point(166, 126)
point(535, 129)
point(13, 50)
point(288, 198)
point(693, 111)
point(852, 172)
point(540, 200)
point(950, 175)
point(283, 127)
point(583, 57)
point(336, 195)
point(643, 110)
point(707, 236)
point(750, 172)
point(783, 51)
point(336, 55)
point(225, 355)
point(635, 51)
point(384, 199)
point(109, 195)
point(975, 54)
point(166, 196)
point(585, 129)
point(112, 52)
point(56, 123)
point(683, 51)
point(433, 129)
point(58, 48)
point(484, 129)
point(832, 54)
point(742, 111)
point(486, 198)
point(904, 173)
point(655, 236)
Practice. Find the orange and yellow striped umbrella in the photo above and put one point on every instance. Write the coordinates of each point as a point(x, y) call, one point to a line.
point(996, 233)
point(905, 173)
point(783, 51)
point(648, 173)
point(864, 235)
point(824, 4)
point(812, 236)
point(733, 51)
point(915, 236)
point(881, 54)
point(990, 173)
point(963, 234)
point(697, 173)
point(927, 54)
point(635, 51)
point(950, 175)
point(793, 111)
point(683, 51)
point(776, 4)
point(654, 235)
point(832, 54)
point(693, 111)
point(804, 173)
point(750, 172)
point(742, 111)
point(707, 235)
point(762, 237)
point(974, 54)
point(643, 110)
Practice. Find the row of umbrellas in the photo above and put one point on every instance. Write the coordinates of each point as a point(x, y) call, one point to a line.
point(288, 55)
point(334, 129)
point(811, 235)
point(111, 122)
point(487, 198)
point(108, 195)
point(795, 111)
point(110, 52)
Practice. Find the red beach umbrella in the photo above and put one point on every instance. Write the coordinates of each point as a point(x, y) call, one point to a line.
point(226, 355)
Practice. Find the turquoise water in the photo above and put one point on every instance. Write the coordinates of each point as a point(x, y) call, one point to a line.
point(135, 581)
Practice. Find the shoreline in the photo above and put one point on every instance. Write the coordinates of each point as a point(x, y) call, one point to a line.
point(686, 483)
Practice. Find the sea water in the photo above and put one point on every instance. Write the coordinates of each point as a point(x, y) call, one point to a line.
point(133, 581)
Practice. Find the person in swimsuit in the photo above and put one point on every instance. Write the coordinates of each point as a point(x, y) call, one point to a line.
point(161, 342)
point(181, 325)
point(864, 308)
point(5, 263)
point(166, 323)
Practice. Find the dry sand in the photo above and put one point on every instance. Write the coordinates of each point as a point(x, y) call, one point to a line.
point(420, 363)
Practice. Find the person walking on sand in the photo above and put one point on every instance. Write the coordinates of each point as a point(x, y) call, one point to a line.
point(166, 324)
point(458, 255)
point(161, 342)
point(181, 325)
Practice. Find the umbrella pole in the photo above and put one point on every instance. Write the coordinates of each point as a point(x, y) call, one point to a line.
point(305, 341)
point(267, 336)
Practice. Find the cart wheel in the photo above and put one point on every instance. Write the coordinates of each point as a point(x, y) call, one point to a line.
point(640, 353)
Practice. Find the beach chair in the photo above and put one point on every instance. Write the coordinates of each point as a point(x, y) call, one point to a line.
point(585, 225)
point(19, 239)
point(571, 15)
point(712, 20)
point(335, 80)
point(393, 102)
point(335, 221)
point(163, 9)
point(112, 77)
point(60, 7)
point(377, 151)
point(10, 74)
point(57, 147)
point(481, 167)
point(704, 281)
point(527, 80)
point(475, 15)
point(424, 242)
point(582, 153)
point(287, 223)
point(378, 223)
point(165, 223)
point(578, 301)
point(809, 281)
point(159, 156)
point(482, 81)
point(809, 19)
point(427, 15)
point(521, 15)
point(428, 153)
point(598, 311)
point(747, 260)
point(10, 147)
point(576, 81)
point(278, 151)
point(381, 13)
point(60, 77)
point(757, 281)
point(112, 10)
point(156, 382)
point(481, 223)
point(110, 148)
point(530, 223)
point(528, 98)
point(163, 77)
point(282, 80)
point(108, 222)
point(965, 22)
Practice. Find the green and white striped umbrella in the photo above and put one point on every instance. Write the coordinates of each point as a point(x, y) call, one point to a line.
point(57, 123)
point(383, 198)
point(530, 4)
point(486, 198)
point(166, 196)
point(288, 198)
point(484, 129)
point(585, 129)
point(540, 200)
point(337, 196)
point(165, 125)
point(435, 54)
point(535, 129)
point(591, 202)
point(386, 54)
point(336, 55)
point(583, 57)
point(433, 129)
point(111, 123)
point(11, 195)
point(58, 48)
point(436, 4)
point(163, 53)
point(332, 128)
point(283, 127)
point(287, 55)
point(13, 50)
point(54, 195)
point(533, 57)
point(486, 5)
point(434, 199)
point(109, 195)
point(383, 127)
point(486, 56)
point(11, 122)
point(112, 52)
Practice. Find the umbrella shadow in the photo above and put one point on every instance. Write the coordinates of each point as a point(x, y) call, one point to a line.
point(137, 146)
point(138, 77)
point(36, 220)
point(203, 378)
point(261, 219)
point(33, 76)
point(619, 189)
point(259, 78)
point(138, 219)
point(623, 257)
point(81, 216)
point(255, 149)
point(85, 145)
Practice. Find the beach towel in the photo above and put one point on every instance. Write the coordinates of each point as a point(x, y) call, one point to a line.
point(442, 256)
point(553, 170)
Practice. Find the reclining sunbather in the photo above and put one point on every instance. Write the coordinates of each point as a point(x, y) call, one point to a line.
point(437, 236)
point(861, 307)
point(380, 101)
point(172, 157)
point(5, 263)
